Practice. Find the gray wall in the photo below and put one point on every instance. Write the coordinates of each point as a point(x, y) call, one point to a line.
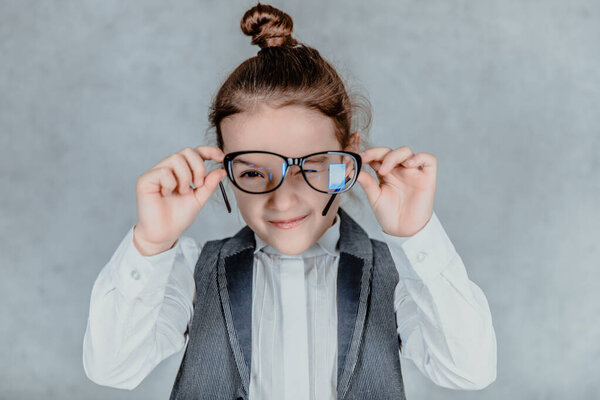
point(504, 93)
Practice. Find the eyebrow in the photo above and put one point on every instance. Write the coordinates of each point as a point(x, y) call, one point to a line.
point(316, 159)
point(242, 161)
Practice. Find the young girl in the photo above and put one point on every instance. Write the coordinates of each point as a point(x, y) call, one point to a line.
point(300, 303)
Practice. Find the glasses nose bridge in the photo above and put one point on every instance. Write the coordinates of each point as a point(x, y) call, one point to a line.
point(291, 161)
point(294, 161)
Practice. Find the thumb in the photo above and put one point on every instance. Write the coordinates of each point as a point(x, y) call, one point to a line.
point(369, 185)
point(211, 180)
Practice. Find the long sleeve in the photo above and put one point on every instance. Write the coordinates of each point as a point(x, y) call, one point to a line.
point(140, 309)
point(443, 318)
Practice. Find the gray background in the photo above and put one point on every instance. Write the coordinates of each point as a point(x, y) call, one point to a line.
point(504, 93)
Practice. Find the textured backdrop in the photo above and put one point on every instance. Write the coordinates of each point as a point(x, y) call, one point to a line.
point(505, 93)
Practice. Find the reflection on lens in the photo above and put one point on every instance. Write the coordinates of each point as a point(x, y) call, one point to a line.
point(337, 176)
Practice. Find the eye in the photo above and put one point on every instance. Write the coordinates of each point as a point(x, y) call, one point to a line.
point(251, 174)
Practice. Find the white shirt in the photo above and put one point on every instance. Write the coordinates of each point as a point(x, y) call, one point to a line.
point(141, 307)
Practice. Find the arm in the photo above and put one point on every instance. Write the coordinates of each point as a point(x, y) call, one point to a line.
point(443, 318)
point(140, 309)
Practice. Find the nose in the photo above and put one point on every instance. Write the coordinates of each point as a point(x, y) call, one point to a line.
point(287, 195)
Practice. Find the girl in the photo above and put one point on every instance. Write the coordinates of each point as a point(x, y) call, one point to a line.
point(300, 303)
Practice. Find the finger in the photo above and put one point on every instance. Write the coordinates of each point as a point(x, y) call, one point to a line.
point(374, 153)
point(210, 153)
point(394, 158)
point(206, 152)
point(183, 172)
point(196, 164)
point(164, 178)
point(157, 180)
point(421, 161)
point(211, 181)
point(373, 156)
point(369, 185)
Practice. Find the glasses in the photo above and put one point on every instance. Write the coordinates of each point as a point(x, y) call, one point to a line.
point(259, 172)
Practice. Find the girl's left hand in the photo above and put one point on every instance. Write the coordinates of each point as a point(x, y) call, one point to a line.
point(403, 199)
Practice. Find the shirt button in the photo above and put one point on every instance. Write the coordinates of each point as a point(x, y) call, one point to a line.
point(421, 256)
point(135, 274)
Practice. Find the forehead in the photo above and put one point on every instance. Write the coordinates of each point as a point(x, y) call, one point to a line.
point(291, 130)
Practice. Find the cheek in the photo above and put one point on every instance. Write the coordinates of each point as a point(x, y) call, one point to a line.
point(317, 198)
point(244, 200)
point(250, 205)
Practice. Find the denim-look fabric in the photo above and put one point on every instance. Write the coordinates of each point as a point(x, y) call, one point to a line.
point(217, 358)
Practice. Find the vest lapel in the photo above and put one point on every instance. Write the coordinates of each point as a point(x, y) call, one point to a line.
point(353, 288)
point(235, 270)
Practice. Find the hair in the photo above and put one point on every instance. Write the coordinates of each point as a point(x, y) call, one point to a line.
point(286, 72)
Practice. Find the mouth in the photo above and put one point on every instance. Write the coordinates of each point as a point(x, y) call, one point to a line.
point(288, 223)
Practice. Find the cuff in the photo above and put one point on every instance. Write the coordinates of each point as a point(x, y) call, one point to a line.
point(134, 273)
point(424, 255)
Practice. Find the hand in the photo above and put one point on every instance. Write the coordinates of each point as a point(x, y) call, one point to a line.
point(166, 203)
point(403, 199)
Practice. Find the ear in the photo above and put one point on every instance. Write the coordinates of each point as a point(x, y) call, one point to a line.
point(354, 142)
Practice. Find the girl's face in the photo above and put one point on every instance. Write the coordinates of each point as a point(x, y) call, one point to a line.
point(293, 131)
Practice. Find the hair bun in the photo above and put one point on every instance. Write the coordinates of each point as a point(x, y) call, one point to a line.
point(268, 26)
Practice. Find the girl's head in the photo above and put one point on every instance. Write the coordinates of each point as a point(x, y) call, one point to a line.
point(287, 100)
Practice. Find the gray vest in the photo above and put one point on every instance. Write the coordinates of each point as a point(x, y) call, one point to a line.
point(216, 363)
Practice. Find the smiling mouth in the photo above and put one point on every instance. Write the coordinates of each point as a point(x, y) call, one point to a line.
point(288, 223)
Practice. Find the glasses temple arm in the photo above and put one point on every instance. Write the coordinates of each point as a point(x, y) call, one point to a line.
point(326, 209)
point(225, 197)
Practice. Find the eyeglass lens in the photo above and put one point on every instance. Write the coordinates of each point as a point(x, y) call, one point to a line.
point(261, 172)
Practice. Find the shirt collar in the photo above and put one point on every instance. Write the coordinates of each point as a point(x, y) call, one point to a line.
point(327, 244)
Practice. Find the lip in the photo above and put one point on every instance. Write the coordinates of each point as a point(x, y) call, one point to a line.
point(288, 223)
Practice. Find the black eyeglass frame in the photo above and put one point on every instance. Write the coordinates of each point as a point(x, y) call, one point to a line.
point(299, 161)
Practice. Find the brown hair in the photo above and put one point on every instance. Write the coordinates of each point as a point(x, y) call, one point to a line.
point(284, 72)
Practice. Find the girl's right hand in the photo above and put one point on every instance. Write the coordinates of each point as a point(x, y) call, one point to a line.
point(166, 203)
